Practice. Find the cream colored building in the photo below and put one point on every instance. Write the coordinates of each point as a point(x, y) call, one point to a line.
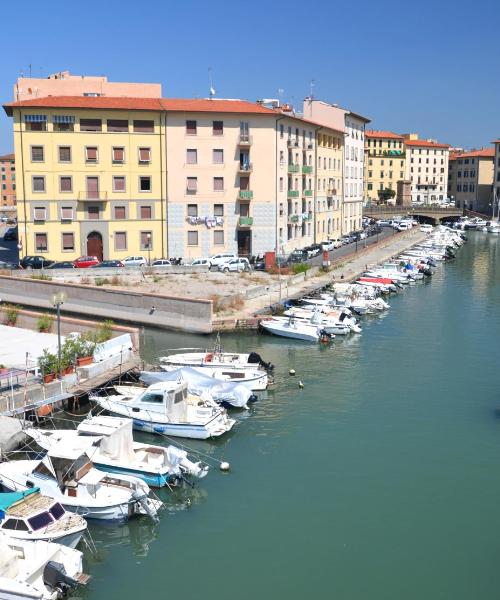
point(427, 169)
point(329, 204)
point(496, 177)
point(471, 179)
point(65, 84)
point(385, 162)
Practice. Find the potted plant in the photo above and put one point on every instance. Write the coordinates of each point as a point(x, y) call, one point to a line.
point(79, 348)
point(48, 364)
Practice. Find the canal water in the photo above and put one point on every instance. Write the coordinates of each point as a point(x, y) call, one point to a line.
point(380, 479)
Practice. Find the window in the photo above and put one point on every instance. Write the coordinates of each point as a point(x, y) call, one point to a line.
point(282, 130)
point(146, 212)
point(146, 240)
point(120, 212)
point(141, 126)
point(191, 156)
point(90, 125)
point(118, 184)
point(92, 189)
point(65, 183)
point(144, 155)
point(281, 184)
point(218, 237)
point(38, 183)
point(218, 184)
point(370, 186)
point(191, 127)
point(37, 154)
point(192, 238)
point(63, 122)
point(218, 128)
point(218, 157)
point(191, 185)
point(93, 213)
point(145, 184)
point(68, 242)
point(117, 125)
point(36, 122)
point(91, 155)
point(120, 240)
point(245, 210)
point(192, 210)
point(118, 155)
point(65, 154)
point(41, 242)
point(39, 213)
point(66, 213)
point(218, 210)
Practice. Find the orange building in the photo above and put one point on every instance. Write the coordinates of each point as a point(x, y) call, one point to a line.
point(8, 180)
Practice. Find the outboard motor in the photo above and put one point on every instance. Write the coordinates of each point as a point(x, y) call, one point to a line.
point(55, 577)
point(141, 498)
point(255, 358)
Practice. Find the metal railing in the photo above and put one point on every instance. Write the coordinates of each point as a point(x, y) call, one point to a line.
point(88, 195)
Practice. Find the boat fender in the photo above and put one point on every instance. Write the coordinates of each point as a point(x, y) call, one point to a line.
point(224, 466)
point(301, 385)
point(291, 372)
point(209, 356)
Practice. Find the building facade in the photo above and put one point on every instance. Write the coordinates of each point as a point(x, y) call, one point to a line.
point(385, 163)
point(427, 169)
point(470, 179)
point(496, 177)
point(8, 181)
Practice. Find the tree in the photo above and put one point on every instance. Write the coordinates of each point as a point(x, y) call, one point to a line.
point(386, 194)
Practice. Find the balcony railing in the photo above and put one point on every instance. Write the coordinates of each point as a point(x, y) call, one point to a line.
point(245, 139)
point(245, 195)
point(297, 219)
point(306, 169)
point(308, 193)
point(88, 195)
point(293, 168)
point(245, 221)
point(293, 193)
point(331, 192)
point(245, 167)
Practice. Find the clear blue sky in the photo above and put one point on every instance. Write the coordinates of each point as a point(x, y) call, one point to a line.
point(425, 66)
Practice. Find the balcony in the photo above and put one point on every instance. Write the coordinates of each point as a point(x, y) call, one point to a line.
point(245, 168)
point(293, 168)
point(331, 192)
point(245, 139)
point(293, 194)
point(306, 169)
point(88, 196)
point(245, 195)
point(245, 221)
point(308, 193)
point(307, 216)
point(295, 219)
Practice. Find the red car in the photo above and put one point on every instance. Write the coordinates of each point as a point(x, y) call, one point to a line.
point(86, 261)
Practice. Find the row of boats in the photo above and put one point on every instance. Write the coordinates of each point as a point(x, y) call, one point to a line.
point(99, 471)
point(336, 312)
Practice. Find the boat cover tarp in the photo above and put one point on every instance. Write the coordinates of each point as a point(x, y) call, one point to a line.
point(222, 391)
point(119, 445)
point(7, 499)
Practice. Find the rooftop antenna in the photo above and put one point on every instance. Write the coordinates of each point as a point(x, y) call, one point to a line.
point(30, 69)
point(212, 90)
point(281, 91)
point(312, 83)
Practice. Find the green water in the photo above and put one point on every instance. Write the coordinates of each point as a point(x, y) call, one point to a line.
point(379, 480)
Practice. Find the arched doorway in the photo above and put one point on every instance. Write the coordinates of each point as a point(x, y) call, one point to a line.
point(94, 244)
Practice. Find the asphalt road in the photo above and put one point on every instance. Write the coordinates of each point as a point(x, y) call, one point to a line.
point(8, 249)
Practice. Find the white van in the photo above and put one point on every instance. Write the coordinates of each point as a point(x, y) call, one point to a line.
point(426, 228)
point(404, 226)
point(218, 259)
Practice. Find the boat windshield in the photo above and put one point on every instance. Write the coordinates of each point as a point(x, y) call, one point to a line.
point(57, 511)
point(152, 397)
point(41, 520)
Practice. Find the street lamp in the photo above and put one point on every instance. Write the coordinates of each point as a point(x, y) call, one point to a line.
point(58, 299)
point(149, 248)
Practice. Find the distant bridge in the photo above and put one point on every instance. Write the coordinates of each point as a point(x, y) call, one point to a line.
point(434, 213)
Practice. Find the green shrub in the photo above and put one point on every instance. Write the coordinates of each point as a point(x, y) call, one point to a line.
point(101, 281)
point(300, 268)
point(41, 277)
point(44, 323)
point(103, 332)
point(48, 363)
point(11, 313)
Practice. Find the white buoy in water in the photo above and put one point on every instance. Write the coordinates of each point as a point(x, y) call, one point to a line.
point(291, 371)
point(224, 466)
point(301, 385)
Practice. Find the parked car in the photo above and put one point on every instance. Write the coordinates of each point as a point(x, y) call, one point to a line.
point(235, 264)
point(297, 256)
point(201, 261)
point(218, 259)
point(9, 265)
point(4, 218)
point(35, 262)
point(384, 223)
point(86, 261)
point(135, 261)
point(161, 262)
point(426, 228)
point(65, 264)
point(312, 250)
point(109, 264)
point(11, 234)
point(403, 226)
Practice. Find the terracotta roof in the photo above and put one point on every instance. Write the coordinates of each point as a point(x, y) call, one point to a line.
point(483, 152)
point(371, 133)
point(495, 142)
point(151, 104)
point(425, 144)
point(7, 157)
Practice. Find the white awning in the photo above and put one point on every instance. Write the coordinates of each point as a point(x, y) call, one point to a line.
point(16, 342)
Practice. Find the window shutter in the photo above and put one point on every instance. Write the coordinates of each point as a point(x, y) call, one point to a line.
point(120, 212)
point(68, 241)
point(144, 154)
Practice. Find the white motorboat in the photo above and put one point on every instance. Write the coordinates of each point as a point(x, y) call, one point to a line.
point(216, 358)
point(255, 380)
point(30, 515)
point(38, 570)
point(333, 322)
point(295, 329)
point(67, 475)
point(115, 451)
point(493, 227)
point(167, 408)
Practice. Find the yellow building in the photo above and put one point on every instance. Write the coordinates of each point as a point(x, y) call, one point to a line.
point(91, 176)
point(330, 144)
point(385, 162)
